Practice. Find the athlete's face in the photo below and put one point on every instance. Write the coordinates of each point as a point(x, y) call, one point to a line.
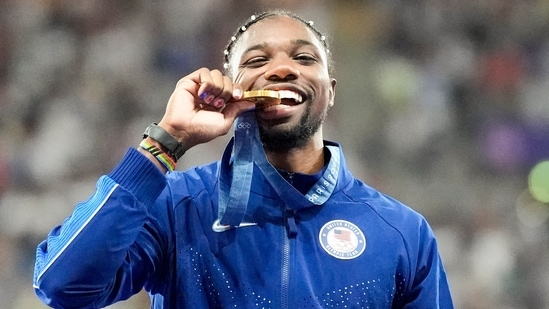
point(281, 53)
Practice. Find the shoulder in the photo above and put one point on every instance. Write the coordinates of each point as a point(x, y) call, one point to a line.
point(391, 221)
point(386, 208)
point(390, 212)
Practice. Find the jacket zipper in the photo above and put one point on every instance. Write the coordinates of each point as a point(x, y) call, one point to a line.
point(286, 253)
point(285, 270)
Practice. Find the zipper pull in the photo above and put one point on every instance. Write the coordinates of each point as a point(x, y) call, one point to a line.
point(291, 225)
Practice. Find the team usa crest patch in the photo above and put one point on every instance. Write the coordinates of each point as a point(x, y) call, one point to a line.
point(342, 239)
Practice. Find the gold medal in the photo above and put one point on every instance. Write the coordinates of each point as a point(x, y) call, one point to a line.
point(262, 97)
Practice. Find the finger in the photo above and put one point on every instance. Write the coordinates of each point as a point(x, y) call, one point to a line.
point(199, 78)
point(226, 93)
point(223, 90)
point(237, 92)
point(211, 85)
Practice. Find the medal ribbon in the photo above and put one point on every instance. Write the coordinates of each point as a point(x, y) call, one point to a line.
point(235, 187)
point(234, 191)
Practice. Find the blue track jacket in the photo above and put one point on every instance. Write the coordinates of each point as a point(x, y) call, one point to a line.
point(141, 228)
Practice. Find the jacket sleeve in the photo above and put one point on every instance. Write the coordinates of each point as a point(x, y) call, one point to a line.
point(428, 287)
point(110, 246)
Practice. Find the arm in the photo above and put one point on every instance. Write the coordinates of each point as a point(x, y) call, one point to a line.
point(429, 286)
point(110, 247)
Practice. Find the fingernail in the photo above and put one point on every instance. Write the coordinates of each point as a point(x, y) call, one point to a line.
point(209, 98)
point(219, 102)
point(202, 96)
point(237, 93)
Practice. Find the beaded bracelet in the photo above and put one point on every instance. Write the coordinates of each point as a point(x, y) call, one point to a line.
point(162, 157)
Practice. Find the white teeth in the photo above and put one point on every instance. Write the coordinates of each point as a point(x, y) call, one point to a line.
point(288, 94)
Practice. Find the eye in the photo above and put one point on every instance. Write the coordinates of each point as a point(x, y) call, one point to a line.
point(305, 59)
point(255, 62)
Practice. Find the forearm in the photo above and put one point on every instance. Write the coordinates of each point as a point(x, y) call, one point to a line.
point(80, 261)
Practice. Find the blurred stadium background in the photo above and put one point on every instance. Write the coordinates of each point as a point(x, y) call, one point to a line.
point(442, 104)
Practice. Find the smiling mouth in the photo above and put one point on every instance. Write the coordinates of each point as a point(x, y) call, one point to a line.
point(264, 98)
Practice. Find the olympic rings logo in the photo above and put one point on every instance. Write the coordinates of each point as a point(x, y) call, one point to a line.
point(244, 125)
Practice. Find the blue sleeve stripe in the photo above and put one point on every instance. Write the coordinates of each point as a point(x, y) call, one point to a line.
point(57, 244)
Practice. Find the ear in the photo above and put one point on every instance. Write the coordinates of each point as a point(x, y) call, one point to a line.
point(332, 92)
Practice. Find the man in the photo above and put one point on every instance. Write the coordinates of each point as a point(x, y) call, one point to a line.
point(279, 222)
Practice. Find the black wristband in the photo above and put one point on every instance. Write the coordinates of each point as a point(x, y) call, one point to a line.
point(167, 141)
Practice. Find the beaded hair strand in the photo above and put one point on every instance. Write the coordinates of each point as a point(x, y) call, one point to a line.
point(227, 52)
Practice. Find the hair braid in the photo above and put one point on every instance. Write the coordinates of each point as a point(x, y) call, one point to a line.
point(227, 52)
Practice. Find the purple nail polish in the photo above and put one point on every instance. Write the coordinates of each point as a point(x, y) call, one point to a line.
point(203, 95)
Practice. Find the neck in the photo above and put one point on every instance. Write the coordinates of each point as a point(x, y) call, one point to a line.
point(307, 160)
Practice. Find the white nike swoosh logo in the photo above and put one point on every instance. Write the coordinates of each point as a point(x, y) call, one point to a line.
point(218, 228)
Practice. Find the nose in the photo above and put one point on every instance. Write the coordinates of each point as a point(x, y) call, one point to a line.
point(281, 68)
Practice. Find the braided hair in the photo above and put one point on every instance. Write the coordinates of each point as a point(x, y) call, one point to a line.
point(228, 51)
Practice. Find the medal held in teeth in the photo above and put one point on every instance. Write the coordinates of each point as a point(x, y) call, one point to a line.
point(270, 97)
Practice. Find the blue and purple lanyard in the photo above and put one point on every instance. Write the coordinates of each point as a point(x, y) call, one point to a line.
point(235, 186)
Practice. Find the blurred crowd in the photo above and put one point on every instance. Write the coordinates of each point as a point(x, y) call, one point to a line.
point(442, 104)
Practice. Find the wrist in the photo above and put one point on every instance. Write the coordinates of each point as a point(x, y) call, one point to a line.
point(167, 142)
point(152, 149)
